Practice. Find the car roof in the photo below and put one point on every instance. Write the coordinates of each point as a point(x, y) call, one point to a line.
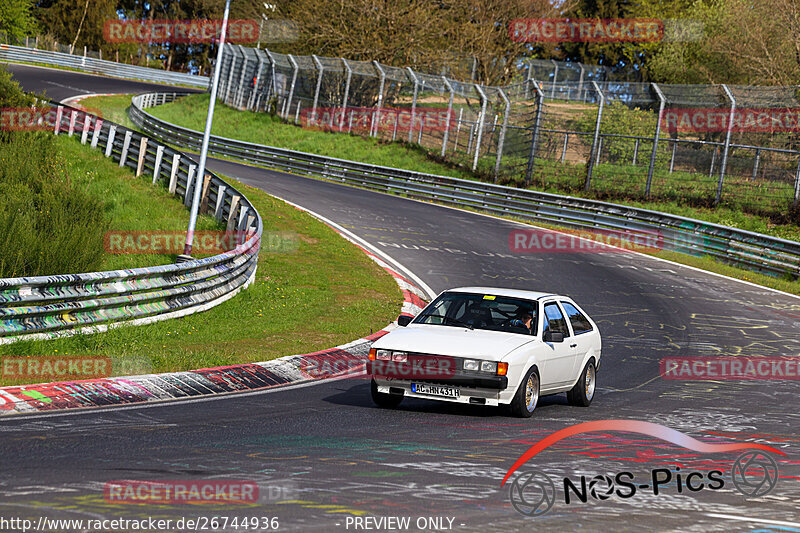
point(513, 293)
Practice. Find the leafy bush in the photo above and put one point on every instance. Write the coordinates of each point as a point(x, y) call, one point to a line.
point(619, 119)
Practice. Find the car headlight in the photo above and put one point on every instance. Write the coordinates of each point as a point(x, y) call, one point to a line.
point(384, 355)
point(471, 364)
point(488, 366)
point(400, 357)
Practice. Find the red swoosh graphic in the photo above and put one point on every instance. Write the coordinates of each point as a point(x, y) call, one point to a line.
point(634, 426)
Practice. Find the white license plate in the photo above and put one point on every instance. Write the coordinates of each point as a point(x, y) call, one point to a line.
point(435, 390)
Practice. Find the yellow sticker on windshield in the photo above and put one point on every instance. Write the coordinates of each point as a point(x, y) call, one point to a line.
point(487, 297)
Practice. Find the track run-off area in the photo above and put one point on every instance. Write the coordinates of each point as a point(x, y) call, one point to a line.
point(323, 454)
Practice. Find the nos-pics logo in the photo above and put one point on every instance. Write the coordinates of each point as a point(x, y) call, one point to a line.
point(533, 493)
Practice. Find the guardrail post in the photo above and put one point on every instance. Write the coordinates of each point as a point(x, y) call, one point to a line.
point(142, 154)
point(87, 120)
point(449, 113)
point(724, 164)
point(157, 164)
point(190, 184)
point(72, 117)
point(414, 79)
point(126, 144)
point(59, 115)
point(112, 132)
point(596, 139)
point(535, 136)
point(204, 194)
point(232, 213)
point(346, 91)
point(380, 95)
point(98, 126)
point(555, 79)
point(480, 126)
point(220, 202)
point(651, 169)
point(173, 174)
point(501, 140)
point(321, 70)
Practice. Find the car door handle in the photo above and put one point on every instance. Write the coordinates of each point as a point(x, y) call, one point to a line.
point(573, 345)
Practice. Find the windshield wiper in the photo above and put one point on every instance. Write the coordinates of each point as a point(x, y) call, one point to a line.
point(458, 322)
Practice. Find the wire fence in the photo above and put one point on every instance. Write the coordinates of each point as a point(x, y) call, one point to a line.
point(558, 127)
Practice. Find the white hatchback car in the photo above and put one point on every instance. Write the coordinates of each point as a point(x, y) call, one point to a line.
point(489, 346)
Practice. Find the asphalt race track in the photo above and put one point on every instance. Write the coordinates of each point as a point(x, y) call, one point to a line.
point(323, 453)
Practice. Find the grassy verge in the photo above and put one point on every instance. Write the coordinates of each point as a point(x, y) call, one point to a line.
point(113, 108)
point(300, 301)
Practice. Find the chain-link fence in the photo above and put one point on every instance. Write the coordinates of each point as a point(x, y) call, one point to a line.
point(560, 126)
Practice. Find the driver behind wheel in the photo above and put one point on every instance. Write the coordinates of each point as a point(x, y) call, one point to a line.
point(524, 321)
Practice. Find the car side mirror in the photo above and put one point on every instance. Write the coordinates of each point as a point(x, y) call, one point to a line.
point(404, 320)
point(553, 336)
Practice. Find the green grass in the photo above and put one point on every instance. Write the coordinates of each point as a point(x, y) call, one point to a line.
point(300, 301)
point(113, 108)
point(263, 128)
point(130, 204)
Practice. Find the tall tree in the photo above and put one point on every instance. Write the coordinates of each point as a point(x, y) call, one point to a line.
point(16, 18)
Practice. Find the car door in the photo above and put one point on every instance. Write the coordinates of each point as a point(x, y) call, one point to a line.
point(582, 329)
point(560, 356)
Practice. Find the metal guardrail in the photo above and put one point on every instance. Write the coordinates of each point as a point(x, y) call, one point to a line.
point(99, 66)
point(754, 251)
point(48, 306)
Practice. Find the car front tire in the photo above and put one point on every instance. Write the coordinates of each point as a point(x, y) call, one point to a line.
point(383, 399)
point(582, 393)
point(527, 396)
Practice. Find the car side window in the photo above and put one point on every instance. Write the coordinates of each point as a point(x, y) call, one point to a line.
point(554, 320)
point(580, 324)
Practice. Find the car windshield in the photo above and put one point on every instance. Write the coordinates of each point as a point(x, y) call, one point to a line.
point(481, 311)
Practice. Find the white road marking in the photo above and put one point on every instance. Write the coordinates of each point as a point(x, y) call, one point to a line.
point(754, 520)
point(422, 285)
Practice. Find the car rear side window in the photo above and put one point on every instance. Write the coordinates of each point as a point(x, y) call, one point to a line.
point(580, 324)
point(554, 320)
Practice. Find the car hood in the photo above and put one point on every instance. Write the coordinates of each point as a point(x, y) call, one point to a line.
point(453, 341)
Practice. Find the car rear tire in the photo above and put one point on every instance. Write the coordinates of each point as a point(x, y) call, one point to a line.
point(582, 393)
point(527, 396)
point(383, 399)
